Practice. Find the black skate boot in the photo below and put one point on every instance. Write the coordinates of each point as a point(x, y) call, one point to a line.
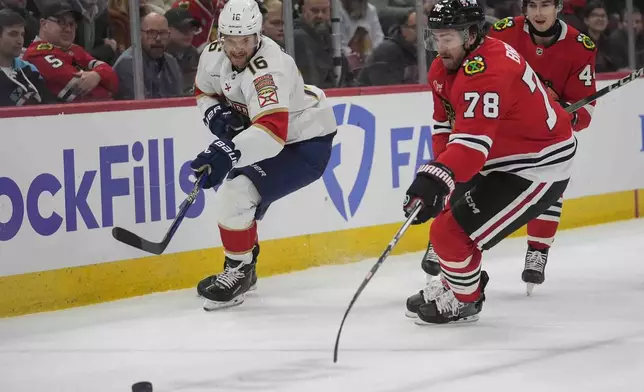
point(430, 263)
point(447, 309)
point(229, 287)
point(209, 281)
point(435, 287)
point(534, 271)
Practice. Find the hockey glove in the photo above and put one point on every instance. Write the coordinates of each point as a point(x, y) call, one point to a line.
point(573, 116)
point(434, 182)
point(217, 160)
point(223, 122)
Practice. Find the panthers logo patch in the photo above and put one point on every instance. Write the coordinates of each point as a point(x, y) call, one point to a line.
point(474, 66)
point(503, 24)
point(586, 41)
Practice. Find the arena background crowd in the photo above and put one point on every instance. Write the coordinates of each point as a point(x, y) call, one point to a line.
point(379, 43)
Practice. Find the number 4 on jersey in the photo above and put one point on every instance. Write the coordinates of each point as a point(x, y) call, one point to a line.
point(586, 76)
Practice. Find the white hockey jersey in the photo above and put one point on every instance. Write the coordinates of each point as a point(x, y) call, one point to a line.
point(271, 93)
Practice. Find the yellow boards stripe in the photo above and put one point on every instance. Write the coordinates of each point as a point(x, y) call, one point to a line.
point(69, 287)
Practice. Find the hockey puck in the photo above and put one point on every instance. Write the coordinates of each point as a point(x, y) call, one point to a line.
point(142, 386)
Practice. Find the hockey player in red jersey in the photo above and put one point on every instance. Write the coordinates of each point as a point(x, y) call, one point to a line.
point(564, 59)
point(503, 151)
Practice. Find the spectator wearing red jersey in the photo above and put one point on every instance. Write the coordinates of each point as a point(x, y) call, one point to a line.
point(206, 12)
point(69, 71)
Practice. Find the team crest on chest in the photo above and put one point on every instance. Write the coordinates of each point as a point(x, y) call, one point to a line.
point(586, 41)
point(503, 24)
point(266, 90)
point(474, 66)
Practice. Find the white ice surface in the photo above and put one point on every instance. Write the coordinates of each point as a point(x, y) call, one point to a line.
point(582, 330)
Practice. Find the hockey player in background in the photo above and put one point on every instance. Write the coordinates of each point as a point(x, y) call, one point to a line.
point(503, 151)
point(273, 136)
point(564, 60)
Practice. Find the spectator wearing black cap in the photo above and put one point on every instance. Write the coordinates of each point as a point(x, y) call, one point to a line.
point(70, 72)
point(182, 32)
point(20, 81)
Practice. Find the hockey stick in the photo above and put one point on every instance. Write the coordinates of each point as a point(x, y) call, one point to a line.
point(585, 101)
point(373, 270)
point(129, 238)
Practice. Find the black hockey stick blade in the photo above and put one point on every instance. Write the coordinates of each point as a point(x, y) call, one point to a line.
point(593, 97)
point(127, 237)
point(373, 270)
point(157, 248)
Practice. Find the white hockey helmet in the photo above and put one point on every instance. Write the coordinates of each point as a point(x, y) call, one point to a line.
point(240, 17)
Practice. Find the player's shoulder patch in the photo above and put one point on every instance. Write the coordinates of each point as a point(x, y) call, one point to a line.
point(266, 89)
point(504, 24)
point(45, 46)
point(184, 4)
point(586, 41)
point(474, 65)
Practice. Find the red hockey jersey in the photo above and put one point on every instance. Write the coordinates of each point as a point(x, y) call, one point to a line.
point(58, 67)
point(567, 66)
point(206, 12)
point(494, 114)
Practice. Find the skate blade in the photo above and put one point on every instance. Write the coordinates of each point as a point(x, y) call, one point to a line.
point(209, 305)
point(529, 288)
point(252, 288)
point(410, 314)
point(464, 320)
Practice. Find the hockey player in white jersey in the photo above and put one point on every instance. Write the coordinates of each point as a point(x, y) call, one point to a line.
point(273, 136)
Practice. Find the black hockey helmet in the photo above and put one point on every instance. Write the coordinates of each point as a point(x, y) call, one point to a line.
point(558, 5)
point(457, 14)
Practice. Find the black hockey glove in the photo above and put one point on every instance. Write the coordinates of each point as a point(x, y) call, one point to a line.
point(223, 122)
point(217, 160)
point(433, 183)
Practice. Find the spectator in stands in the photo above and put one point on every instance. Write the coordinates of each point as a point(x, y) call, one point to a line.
point(395, 60)
point(619, 41)
point(70, 73)
point(273, 26)
point(161, 73)
point(360, 30)
point(31, 22)
point(313, 46)
point(572, 13)
point(206, 12)
point(504, 8)
point(596, 21)
point(20, 81)
point(119, 21)
point(182, 31)
point(92, 32)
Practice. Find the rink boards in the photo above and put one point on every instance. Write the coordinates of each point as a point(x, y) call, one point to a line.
point(67, 179)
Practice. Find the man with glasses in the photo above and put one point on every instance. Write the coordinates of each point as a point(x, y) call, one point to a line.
point(161, 73)
point(70, 73)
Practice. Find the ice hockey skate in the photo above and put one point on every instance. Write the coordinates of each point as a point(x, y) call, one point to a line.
point(228, 288)
point(210, 280)
point(534, 272)
point(435, 287)
point(445, 308)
